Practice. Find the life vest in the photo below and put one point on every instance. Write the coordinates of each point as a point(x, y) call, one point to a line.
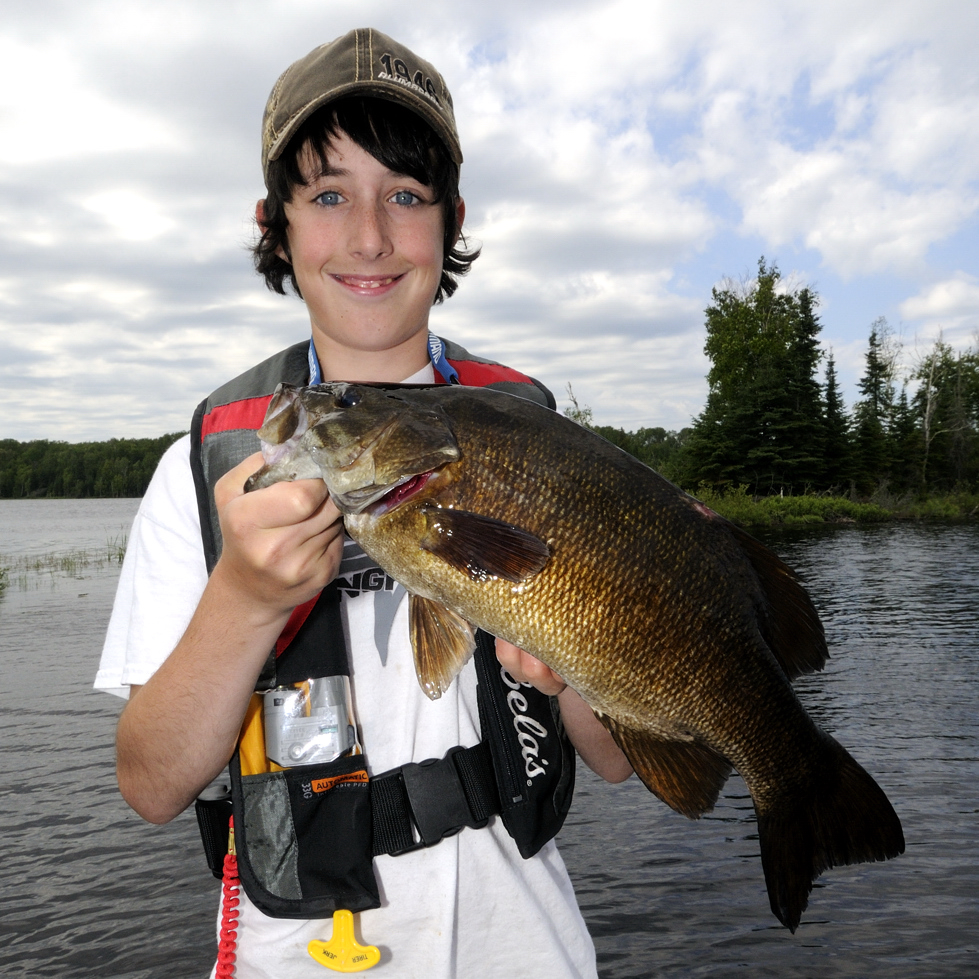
point(523, 769)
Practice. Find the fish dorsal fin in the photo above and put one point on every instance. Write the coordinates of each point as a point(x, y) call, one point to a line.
point(793, 629)
point(686, 775)
point(442, 642)
point(483, 547)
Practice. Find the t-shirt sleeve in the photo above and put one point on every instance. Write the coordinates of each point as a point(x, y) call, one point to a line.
point(163, 576)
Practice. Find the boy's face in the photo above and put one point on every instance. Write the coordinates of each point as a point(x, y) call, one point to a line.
point(366, 249)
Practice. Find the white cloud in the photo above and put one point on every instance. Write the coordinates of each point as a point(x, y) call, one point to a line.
point(51, 109)
point(129, 214)
point(889, 157)
point(858, 224)
point(949, 308)
point(128, 298)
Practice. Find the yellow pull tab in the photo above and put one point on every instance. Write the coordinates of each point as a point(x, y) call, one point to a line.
point(342, 953)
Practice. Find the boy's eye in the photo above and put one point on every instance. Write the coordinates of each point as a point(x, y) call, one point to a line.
point(406, 198)
point(328, 198)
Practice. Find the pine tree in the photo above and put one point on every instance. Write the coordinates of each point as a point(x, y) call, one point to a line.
point(837, 450)
point(904, 439)
point(763, 422)
point(873, 413)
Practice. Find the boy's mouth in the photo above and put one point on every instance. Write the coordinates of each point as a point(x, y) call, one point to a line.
point(367, 283)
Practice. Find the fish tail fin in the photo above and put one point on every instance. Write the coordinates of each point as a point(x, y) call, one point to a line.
point(844, 818)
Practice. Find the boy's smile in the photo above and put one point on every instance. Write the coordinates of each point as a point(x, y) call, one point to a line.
point(365, 244)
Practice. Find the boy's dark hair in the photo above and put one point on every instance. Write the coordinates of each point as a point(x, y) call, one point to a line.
point(395, 137)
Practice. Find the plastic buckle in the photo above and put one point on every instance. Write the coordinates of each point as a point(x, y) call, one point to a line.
point(437, 800)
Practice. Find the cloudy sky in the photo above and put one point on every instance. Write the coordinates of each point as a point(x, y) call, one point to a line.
point(621, 159)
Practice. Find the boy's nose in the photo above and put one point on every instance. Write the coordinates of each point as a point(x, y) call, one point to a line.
point(369, 237)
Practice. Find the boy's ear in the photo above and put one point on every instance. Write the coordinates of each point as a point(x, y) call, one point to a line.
point(460, 217)
point(263, 227)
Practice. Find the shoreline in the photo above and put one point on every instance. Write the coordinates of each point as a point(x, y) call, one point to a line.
point(746, 510)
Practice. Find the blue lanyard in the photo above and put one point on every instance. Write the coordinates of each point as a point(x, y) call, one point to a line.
point(436, 351)
point(315, 374)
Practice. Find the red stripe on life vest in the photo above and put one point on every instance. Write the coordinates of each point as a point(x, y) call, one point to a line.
point(473, 374)
point(299, 615)
point(249, 413)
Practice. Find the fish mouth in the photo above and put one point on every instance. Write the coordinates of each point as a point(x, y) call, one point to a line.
point(402, 491)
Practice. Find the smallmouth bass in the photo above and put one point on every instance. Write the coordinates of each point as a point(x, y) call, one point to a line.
point(679, 630)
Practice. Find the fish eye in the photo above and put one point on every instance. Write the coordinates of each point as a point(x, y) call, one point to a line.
point(349, 399)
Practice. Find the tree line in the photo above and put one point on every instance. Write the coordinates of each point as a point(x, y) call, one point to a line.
point(118, 467)
point(774, 425)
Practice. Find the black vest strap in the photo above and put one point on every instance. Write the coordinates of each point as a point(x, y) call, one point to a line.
point(318, 648)
point(420, 804)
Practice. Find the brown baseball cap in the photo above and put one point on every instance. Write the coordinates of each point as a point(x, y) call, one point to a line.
point(362, 62)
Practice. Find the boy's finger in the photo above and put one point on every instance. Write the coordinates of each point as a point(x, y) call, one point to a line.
point(232, 483)
point(279, 505)
point(288, 503)
point(528, 669)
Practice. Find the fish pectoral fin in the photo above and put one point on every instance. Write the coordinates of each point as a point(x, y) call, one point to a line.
point(442, 642)
point(687, 775)
point(483, 547)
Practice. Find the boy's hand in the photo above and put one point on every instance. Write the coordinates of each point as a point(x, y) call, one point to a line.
point(528, 669)
point(590, 738)
point(281, 544)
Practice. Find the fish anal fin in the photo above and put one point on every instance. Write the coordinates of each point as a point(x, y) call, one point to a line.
point(483, 547)
point(792, 627)
point(442, 642)
point(687, 775)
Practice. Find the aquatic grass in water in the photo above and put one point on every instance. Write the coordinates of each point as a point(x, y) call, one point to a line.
point(26, 571)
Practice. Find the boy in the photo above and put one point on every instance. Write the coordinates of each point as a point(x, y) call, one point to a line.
point(364, 218)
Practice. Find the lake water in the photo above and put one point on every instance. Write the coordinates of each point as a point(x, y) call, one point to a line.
point(90, 890)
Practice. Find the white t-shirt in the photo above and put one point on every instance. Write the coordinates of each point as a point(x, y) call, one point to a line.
point(469, 907)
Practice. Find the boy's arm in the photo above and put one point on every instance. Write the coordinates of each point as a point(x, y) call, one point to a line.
point(282, 545)
point(587, 733)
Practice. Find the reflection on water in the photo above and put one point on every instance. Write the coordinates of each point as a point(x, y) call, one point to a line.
point(90, 890)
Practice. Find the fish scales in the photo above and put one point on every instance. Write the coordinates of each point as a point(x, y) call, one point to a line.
point(679, 630)
point(592, 604)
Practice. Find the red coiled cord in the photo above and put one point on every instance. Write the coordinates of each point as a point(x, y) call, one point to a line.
point(228, 942)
